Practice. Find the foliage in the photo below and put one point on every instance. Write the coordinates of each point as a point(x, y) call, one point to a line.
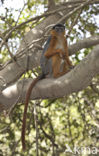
point(72, 120)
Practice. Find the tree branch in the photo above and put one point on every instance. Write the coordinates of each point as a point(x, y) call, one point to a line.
point(12, 71)
point(85, 43)
point(74, 81)
point(75, 10)
point(51, 4)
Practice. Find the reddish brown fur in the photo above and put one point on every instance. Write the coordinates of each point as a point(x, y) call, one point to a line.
point(25, 110)
point(57, 54)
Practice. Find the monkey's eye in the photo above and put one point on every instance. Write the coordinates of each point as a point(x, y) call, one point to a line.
point(59, 29)
point(56, 28)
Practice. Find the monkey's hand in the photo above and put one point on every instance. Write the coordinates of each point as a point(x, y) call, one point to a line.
point(60, 52)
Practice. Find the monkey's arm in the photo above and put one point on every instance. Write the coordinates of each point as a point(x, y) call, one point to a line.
point(51, 52)
point(66, 52)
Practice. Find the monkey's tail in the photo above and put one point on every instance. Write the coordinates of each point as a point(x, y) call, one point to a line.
point(26, 106)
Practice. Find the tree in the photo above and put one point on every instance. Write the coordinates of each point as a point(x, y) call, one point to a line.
point(80, 20)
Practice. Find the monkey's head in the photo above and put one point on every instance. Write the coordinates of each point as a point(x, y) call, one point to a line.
point(58, 29)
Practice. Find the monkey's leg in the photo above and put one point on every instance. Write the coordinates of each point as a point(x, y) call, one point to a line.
point(56, 65)
point(67, 58)
point(65, 67)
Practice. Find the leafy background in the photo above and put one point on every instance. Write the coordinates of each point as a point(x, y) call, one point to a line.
point(72, 120)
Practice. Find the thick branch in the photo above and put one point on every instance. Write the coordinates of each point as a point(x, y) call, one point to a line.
point(85, 43)
point(12, 71)
point(74, 81)
point(51, 4)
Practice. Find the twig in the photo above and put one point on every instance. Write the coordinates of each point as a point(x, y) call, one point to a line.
point(94, 88)
point(22, 52)
point(11, 55)
point(72, 12)
point(53, 134)
point(29, 46)
point(36, 125)
point(50, 137)
point(69, 124)
point(20, 13)
point(34, 18)
point(15, 144)
point(5, 20)
point(74, 22)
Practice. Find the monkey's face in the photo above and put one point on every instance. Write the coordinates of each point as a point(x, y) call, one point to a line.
point(58, 29)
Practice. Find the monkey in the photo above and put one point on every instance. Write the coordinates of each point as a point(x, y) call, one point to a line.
point(54, 63)
point(58, 51)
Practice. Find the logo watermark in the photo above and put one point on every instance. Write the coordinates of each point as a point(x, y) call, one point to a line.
point(82, 150)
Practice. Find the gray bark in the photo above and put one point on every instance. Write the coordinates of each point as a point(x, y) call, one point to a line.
point(74, 81)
